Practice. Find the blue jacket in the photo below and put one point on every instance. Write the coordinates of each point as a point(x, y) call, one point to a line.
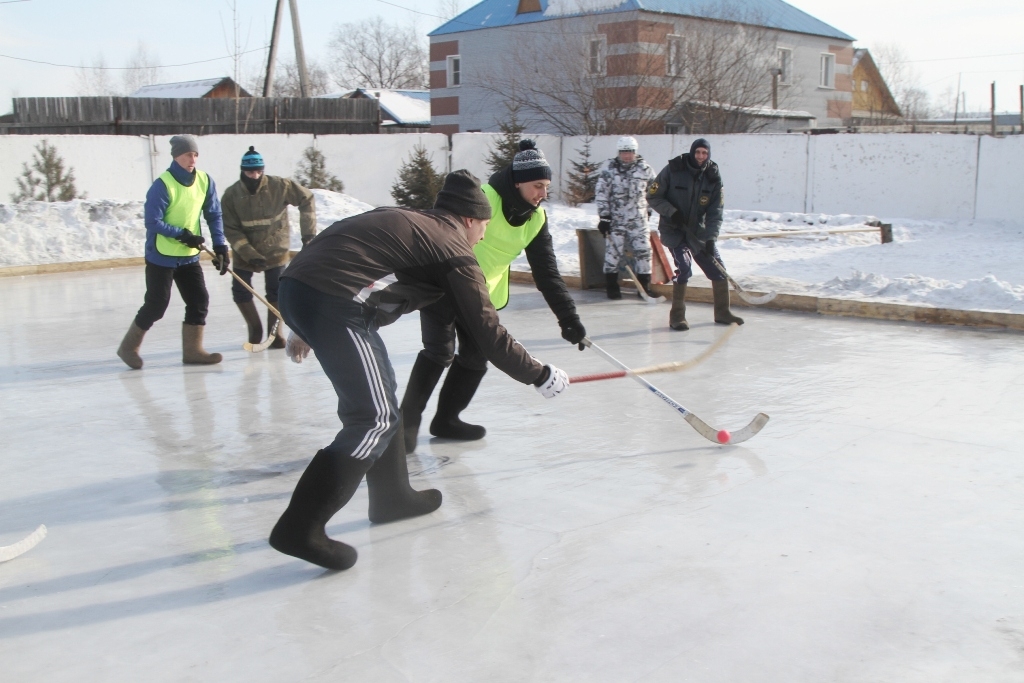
point(157, 201)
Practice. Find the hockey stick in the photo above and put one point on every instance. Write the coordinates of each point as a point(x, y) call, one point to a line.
point(676, 366)
point(9, 552)
point(721, 436)
point(749, 298)
point(249, 346)
point(640, 288)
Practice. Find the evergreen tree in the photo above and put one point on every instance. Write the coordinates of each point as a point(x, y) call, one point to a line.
point(418, 183)
point(313, 174)
point(45, 180)
point(582, 179)
point(507, 146)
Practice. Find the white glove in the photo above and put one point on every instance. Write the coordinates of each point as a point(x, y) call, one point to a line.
point(556, 383)
point(295, 348)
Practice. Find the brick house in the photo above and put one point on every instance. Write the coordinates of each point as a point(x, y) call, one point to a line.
point(633, 47)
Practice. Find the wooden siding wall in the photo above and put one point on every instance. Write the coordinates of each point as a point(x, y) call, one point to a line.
point(152, 116)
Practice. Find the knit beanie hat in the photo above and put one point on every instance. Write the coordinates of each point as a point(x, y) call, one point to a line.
point(461, 194)
point(180, 144)
point(700, 142)
point(252, 161)
point(529, 164)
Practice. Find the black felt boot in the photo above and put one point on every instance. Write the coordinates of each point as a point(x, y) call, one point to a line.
point(391, 496)
point(252, 320)
point(644, 280)
point(456, 393)
point(278, 342)
point(422, 380)
point(328, 483)
point(611, 283)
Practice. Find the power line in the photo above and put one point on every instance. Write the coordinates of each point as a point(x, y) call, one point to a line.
point(11, 2)
point(126, 68)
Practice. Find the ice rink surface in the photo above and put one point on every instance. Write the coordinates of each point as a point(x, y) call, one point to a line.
point(871, 532)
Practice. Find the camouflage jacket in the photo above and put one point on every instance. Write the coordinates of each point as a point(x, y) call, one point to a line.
point(621, 193)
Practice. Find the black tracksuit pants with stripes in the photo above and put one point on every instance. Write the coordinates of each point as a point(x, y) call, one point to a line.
point(344, 337)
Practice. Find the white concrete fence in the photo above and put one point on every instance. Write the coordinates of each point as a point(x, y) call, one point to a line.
point(944, 177)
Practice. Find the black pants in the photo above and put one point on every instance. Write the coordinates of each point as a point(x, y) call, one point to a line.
point(191, 286)
point(271, 280)
point(439, 329)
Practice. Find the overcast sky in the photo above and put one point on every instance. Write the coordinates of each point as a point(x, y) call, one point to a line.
point(944, 38)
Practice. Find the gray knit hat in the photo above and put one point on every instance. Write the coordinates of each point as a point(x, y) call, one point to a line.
point(180, 144)
point(529, 164)
point(461, 194)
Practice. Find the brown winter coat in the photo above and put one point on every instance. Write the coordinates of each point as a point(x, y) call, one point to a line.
point(256, 225)
point(395, 261)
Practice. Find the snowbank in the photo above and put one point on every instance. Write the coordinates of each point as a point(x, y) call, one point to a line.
point(34, 233)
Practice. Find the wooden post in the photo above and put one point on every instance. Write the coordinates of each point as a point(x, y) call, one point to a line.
point(300, 53)
point(268, 83)
point(992, 108)
point(1022, 109)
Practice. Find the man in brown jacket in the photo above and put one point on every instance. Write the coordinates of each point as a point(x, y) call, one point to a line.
point(256, 224)
point(358, 274)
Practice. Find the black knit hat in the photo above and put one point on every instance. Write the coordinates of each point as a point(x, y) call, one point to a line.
point(529, 164)
point(700, 142)
point(461, 194)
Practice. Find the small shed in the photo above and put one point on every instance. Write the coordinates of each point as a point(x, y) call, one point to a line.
point(400, 110)
point(208, 88)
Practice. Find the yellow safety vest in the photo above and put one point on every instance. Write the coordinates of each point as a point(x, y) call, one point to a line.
point(502, 244)
point(186, 205)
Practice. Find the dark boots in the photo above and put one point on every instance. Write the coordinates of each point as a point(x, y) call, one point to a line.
point(422, 380)
point(644, 280)
point(278, 342)
point(723, 315)
point(192, 351)
point(391, 496)
point(252, 320)
point(128, 351)
point(456, 393)
point(327, 484)
point(612, 285)
point(677, 316)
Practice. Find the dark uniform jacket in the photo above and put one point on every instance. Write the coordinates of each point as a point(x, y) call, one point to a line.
point(395, 261)
point(256, 224)
point(696, 194)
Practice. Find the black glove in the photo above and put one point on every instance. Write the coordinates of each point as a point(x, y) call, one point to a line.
point(573, 331)
point(709, 247)
point(223, 260)
point(678, 220)
point(191, 240)
point(306, 239)
point(604, 226)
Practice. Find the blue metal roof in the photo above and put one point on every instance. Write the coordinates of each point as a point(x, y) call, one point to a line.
point(772, 13)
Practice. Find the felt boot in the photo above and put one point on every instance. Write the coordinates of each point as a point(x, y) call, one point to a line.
point(192, 351)
point(387, 482)
point(677, 315)
point(612, 285)
point(456, 393)
point(723, 315)
point(278, 342)
point(327, 484)
point(644, 280)
point(128, 351)
point(422, 380)
point(252, 320)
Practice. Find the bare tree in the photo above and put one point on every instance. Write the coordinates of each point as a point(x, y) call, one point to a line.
point(95, 80)
point(286, 79)
point(903, 80)
point(449, 9)
point(374, 54)
point(142, 69)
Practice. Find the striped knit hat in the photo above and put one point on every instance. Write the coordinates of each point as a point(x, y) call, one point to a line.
point(529, 164)
point(252, 160)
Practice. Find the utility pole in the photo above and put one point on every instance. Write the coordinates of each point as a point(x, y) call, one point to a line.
point(991, 107)
point(956, 107)
point(268, 82)
point(300, 54)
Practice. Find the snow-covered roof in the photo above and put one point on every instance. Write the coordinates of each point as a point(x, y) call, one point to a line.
point(404, 107)
point(185, 89)
point(772, 13)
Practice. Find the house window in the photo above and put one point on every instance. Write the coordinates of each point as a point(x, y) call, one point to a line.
point(828, 71)
point(785, 66)
point(454, 71)
point(675, 55)
point(864, 86)
point(598, 53)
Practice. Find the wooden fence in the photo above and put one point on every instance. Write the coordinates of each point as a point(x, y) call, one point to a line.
point(155, 116)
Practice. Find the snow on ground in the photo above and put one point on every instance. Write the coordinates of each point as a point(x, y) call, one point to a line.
point(33, 233)
point(963, 265)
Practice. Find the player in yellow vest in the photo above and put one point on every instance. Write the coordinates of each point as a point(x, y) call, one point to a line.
point(518, 224)
point(174, 204)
